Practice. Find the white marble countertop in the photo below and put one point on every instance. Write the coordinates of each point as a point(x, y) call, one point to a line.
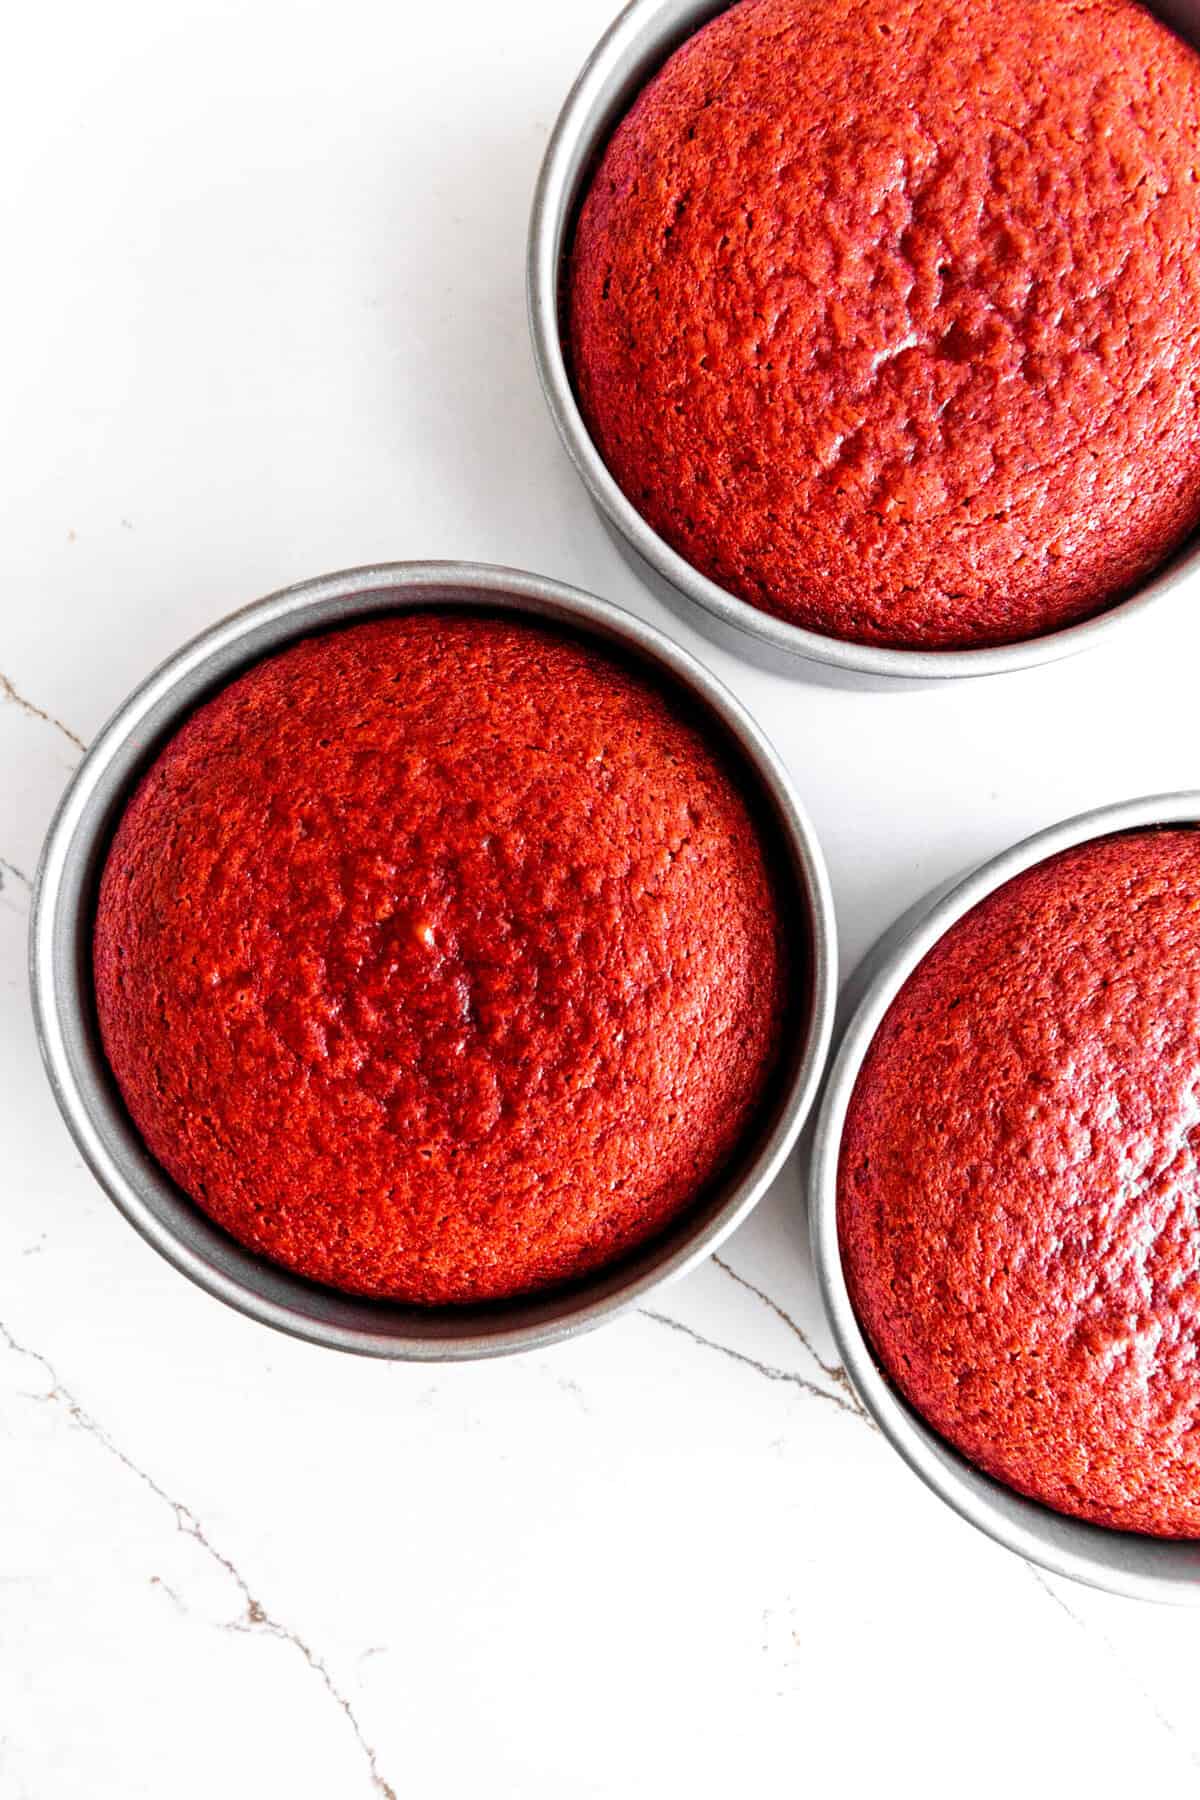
point(263, 317)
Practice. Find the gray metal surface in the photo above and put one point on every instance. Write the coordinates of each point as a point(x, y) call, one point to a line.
point(1146, 1568)
point(61, 971)
point(631, 51)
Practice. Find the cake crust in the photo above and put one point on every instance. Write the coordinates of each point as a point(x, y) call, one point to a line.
point(887, 319)
point(1019, 1189)
point(440, 958)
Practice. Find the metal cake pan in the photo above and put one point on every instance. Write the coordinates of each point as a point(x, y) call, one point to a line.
point(64, 1009)
point(630, 52)
point(1122, 1562)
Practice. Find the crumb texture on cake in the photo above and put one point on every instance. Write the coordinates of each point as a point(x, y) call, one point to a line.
point(887, 319)
point(1018, 1189)
point(441, 958)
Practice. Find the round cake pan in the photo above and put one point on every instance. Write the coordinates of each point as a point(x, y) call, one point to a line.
point(64, 1009)
point(1123, 1562)
point(629, 53)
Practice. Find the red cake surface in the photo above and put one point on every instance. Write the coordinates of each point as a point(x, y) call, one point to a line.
point(440, 958)
point(887, 318)
point(1019, 1189)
